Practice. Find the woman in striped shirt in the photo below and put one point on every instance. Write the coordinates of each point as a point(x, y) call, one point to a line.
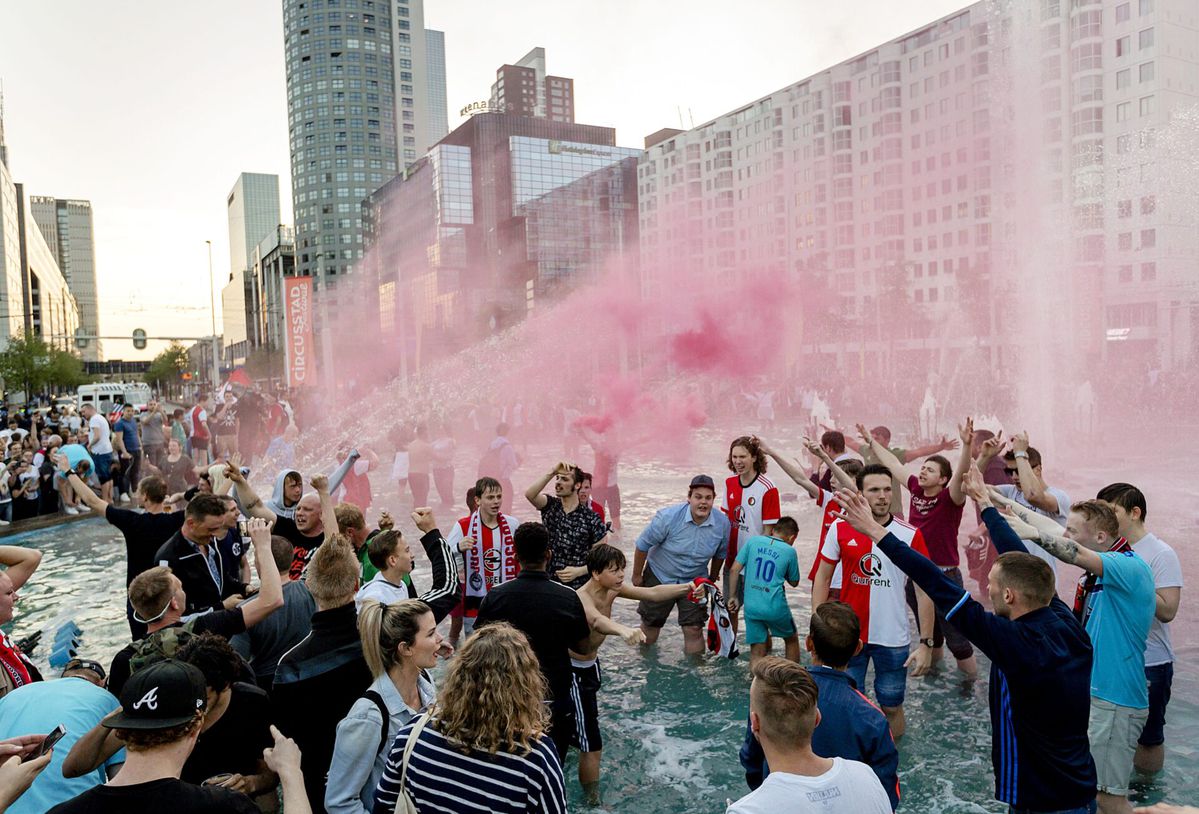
point(484, 747)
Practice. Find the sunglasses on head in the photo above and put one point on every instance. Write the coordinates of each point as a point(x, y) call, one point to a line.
point(86, 664)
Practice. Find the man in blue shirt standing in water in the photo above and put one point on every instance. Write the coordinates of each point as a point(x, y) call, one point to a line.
point(1040, 665)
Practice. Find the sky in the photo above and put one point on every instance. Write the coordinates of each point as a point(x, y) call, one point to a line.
point(150, 110)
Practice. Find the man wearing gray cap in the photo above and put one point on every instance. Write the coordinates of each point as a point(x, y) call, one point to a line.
point(682, 542)
point(162, 711)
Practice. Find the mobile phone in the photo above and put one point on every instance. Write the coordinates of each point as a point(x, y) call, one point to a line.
point(242, 528)
point(54, 737)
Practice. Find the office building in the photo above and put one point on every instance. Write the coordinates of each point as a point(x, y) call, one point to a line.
point(35, 298)
point(366, 97)
point(253, 212)
point(67, 228)
point(274, 258)
point(524, 89)
point(505, 212)
point(985, 187)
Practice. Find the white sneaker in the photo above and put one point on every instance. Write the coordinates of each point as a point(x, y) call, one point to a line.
point(125, 498)
point(71, 510)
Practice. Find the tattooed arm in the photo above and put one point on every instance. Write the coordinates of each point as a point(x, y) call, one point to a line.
point(1071, 552)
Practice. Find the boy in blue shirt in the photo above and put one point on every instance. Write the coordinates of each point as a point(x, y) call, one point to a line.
point(766, 563)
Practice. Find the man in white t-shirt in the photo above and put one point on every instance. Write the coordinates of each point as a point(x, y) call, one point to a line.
point(782, 716)
point(1128, 502)
point(99, 444)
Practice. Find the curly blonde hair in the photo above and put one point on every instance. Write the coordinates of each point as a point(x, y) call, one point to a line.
point(493, 698)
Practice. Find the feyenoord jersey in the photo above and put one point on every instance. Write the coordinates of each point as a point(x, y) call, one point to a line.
point(871, 583)
point(829, 507)
point(749, 509)
point(481, 574)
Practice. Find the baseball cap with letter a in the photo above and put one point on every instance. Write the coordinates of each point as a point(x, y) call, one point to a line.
point(161, 695)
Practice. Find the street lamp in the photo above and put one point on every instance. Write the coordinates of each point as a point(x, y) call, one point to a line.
point(216, 371)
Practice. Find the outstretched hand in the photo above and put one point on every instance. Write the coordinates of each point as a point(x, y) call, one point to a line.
point(855, 510)
point(1020, 442)
point(864, 434)
point(975, 487)
point(991, 447)
point(966, 432)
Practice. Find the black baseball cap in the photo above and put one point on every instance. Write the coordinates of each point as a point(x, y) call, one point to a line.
point(161, 695)
point(702, 480)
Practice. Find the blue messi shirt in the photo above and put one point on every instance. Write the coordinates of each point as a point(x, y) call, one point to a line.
point(765, 563)
point(1119, 614)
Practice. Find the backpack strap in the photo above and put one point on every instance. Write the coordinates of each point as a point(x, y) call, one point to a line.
point(377, 699)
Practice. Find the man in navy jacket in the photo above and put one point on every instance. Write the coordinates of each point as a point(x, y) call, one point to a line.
point(1040, 662)
point(851, 727)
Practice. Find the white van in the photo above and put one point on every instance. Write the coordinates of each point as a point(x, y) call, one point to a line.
point(106, 395)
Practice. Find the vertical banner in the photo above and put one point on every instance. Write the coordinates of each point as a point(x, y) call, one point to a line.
point(297, 293)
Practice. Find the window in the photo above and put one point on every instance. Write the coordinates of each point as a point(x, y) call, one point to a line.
point(1148, 105)
point(1148, 238)
point(1124, 241)
point(1124, 209)
point(1123, 110)
point(1146, 7)
point(1147, 72)
point(1123, 46)
point(1123, 12)
point(1125, 274)
point(1145, 38)
point(1124, 78)
point(1148, 205)
point(1148, 271)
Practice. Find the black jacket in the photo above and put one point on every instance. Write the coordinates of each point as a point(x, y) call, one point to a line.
point(187, 563)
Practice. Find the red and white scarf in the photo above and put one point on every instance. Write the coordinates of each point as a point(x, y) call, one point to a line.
point(15, 663)
point(488, 564)
point(1087, 583)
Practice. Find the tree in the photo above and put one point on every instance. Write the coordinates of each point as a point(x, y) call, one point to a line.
point(30, 365)
point(166, 367)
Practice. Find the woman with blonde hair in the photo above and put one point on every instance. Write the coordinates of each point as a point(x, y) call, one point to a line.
point(483, 746)
point(400, 643)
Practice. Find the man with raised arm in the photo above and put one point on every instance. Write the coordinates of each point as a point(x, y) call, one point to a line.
point(305, 532)
point(1026, 486)
point(160, 602)
point(937, 501)
point(1117, 614)
point(1040, 665)
point(16, 670)
point(573, 527)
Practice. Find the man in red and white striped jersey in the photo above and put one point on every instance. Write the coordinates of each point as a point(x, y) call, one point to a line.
point(485, 540)
point(874, 587)
point(751, 500)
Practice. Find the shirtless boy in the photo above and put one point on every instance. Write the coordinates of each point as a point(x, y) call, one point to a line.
point(606, 567)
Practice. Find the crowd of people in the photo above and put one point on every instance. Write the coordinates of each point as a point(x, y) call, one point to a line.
point(280, 652)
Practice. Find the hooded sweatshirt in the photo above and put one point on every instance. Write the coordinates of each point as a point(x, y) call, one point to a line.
point(275, 504)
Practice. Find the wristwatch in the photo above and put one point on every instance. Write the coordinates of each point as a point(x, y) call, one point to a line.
point(927, 643)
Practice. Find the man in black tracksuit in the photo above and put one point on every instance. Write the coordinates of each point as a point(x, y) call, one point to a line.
point(1040, 655)
point(193, 556)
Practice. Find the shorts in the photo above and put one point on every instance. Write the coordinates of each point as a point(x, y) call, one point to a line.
point(944, 633)
point(655, 614)
point(1113, 731)
point(890, 674)
point(759, 631)
point(584, 691)
point(1161, 679)
point(199, 443)
point(1089, 808)
point(103, 463)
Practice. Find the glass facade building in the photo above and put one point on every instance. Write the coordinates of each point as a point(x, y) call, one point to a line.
point(359, 108)
point(502, 206)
